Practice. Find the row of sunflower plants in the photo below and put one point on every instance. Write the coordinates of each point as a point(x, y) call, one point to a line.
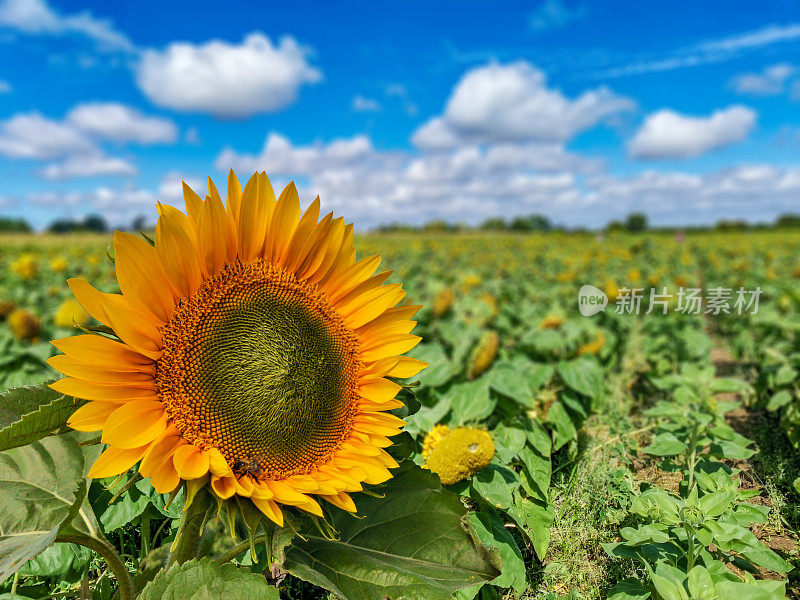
point(505, 397)
point(162, 513)
point(694, 542)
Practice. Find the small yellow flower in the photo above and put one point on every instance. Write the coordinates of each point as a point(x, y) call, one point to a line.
point(25, 266)
point(551, 322)
point(443, 302)
point(611, 290)
point(23, 324)
point(594, 346)
point(461, 454)
point(59, 264)
point(5, 308)
point(70, 313)
point(434, 436)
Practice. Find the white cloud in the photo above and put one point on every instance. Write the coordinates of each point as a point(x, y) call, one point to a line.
point(31, 135)
point(706, 53)
point(496, 103)
point(554, 14)
point(120, 123)
point(668, 134)
point(88, 165)
point(226, 80)
point(769, 82)
point(38, 17)
point(363, 104)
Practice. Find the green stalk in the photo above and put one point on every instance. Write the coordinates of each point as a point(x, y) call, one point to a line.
point(113, 560)
point(145, 549)
point(187, 540)
point(240, 549)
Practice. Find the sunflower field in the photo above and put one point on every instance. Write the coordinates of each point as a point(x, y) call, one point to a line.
point(252, 401)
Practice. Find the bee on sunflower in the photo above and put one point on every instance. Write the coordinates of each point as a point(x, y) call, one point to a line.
point(250, 355)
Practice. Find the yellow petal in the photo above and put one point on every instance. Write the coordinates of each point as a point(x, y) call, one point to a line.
point(379, 390)
point(224, 487)
point(270, 509)
point(176, 251)
point(408, 367)
point(141, 278)
point(349, 278)
point(212, 236)
point(258, 203)
point(302, 238)
point(135, 423)
point(89, 298)
point(73, 367)
point(389, 346)
point(343, 501)
point(193, 202)
point(115, 461)
point(190, 462)
point(86, 390)
point(283, 225)
point(99, 350)
point(91, 416)
point(132, 327)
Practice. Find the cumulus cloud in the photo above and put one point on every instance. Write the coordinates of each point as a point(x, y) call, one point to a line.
point(31, 135)
point(668, 134)
point(771, 81)
point(37, 17)
point(120, 123)
point(226, 80)
point(362, 104)
point(88, 165)
point(512, 102)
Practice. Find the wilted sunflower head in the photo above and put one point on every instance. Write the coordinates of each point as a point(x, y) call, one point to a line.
point(251, 350)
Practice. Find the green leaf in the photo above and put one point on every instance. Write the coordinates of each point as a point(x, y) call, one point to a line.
point(60, 559)
point(30, 413)
point(583, 375)
point(471, 402)
point(43, 487)
point(441, 370)
point(779, 400)
point(495, 484)
point(628, 589)
point(715, 504)
point(491, 531)
point(410, 544)
point(564, 429)
point(665, 444)
point(205, 580)
point(536, 474)
point(534, 520)
point(700, 584)
point(507, 379)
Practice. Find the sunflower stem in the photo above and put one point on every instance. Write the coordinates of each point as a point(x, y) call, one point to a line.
point(187, 540)
point(240, 549)
point(112, 558)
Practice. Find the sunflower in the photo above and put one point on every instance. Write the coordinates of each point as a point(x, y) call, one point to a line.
point(251, 352)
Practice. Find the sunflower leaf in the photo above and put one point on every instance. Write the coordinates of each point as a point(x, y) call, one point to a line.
point(44, 489)
point(411, 544)
point(205, 580)
point(30, 413)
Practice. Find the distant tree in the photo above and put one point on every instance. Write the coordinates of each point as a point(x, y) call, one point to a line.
point(731, 225)
point(636, 222)
point(530, 223)
point(493, 224)
point(438, 225)
point(788, 220)
point(139, 223)
point(88, 223)
point(14, 225)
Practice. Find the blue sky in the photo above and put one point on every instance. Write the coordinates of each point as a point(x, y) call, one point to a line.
point(582, 111)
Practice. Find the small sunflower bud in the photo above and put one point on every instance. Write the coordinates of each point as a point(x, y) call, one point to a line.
point(484, 354)
point(23, 324)
point(70, 313)
point(443, 302)
point(461, 454)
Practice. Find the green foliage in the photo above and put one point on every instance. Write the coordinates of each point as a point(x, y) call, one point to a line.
point(401, 547)
point(30, 413)
point(205, 580)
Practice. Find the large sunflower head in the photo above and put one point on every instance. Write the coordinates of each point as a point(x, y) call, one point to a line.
point(250, 350)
